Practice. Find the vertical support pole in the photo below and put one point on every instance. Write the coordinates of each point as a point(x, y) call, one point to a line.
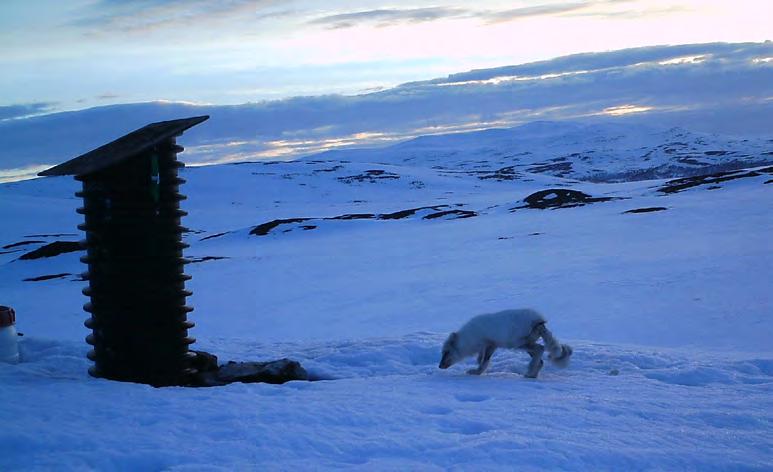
point(136, 270)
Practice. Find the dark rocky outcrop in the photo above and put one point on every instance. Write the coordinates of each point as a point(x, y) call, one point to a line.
point(399, 215)
point(273, 372)
point(22, 243)
point(196, 260)
point(559, 169)
point(354, 216)
point(503, 174)
point(204, 362)
point(53, 249)
point(454, 214)
point(677, 185)
point(559, 198)
point(646, 210)
point(370, 176)
point(213, 236)
point(53, 235)
point(46, 277)
point(439, 211)
point(265, 228)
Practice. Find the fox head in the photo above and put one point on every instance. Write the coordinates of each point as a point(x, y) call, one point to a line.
point(451, 353)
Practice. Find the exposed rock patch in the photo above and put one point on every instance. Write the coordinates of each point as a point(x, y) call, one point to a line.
point(273, 372)
point(438, 211)
point(335, 168)
point(355, 216)
point(53, 249)
point(371, 176)
point(213, 236)
point(54, 235)
point(646, 210)
point(559, 169)
point(559, 198)
point(503, 174)
point(455, 214)
point(399, 215)
point(46, 277)
point(196, 260)
point(265, 228)
point(22, 243)
point(677, 185)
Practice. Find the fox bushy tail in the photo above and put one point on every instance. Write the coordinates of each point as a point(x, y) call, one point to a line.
point(558, 353)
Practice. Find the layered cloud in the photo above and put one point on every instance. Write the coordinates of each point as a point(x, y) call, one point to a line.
point(23, 110)
point(393, 16)
point(386, 17)
point(145, 15)
point(153, 14)
point(715, 87)
point(91, 52)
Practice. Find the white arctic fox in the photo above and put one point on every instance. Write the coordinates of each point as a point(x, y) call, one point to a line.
point(511, 329)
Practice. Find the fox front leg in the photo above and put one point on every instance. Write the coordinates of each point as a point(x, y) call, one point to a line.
point(535, 351)
point(484, 357)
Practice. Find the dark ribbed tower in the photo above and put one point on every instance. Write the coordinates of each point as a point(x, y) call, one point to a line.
point(131, 205)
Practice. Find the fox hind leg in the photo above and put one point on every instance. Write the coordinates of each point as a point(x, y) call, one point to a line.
point(558, 353)
point(535, 365)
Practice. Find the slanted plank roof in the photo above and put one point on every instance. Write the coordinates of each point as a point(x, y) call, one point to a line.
point(126, 146)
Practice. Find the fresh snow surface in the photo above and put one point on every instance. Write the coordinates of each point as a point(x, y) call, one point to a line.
point(669, 314)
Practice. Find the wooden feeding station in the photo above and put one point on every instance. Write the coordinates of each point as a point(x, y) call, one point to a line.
point(131, 205)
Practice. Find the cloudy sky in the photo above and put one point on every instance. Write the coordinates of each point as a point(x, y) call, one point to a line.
point(64, 55)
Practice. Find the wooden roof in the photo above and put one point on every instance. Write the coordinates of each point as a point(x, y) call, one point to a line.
point(124, 147)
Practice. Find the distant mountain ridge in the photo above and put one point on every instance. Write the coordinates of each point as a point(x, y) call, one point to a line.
point(600, 152)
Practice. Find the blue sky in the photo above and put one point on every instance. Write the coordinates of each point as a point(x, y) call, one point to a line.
point(63, 55)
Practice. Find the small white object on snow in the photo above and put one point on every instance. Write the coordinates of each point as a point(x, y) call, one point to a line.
point(9, 347)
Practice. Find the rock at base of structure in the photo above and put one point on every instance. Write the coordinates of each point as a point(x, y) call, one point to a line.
point(273, 372)
point(204, 362)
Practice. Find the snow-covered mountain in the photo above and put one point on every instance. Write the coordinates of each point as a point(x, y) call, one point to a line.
point(359, 263)
point(593, 152)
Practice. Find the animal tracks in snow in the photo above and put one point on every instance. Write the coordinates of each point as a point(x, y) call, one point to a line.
point(462, 397)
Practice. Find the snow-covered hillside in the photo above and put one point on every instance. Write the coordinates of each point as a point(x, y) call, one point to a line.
point(599, 152)
point(359, 263)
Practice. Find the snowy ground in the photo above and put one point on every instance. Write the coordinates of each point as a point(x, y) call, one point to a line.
point(668, 313)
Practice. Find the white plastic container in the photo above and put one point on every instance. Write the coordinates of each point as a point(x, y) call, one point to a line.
point(9, 343)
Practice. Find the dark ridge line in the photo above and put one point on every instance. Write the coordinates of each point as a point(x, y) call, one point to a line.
point(646, 210)
point(462, 214)
point(196, 260)
point(213, 236)
point(265, 228)
point(677, 185)
point(46, 277)
point(669, 171)
point(53, 249)
point(53, 235)
point(22, 243)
